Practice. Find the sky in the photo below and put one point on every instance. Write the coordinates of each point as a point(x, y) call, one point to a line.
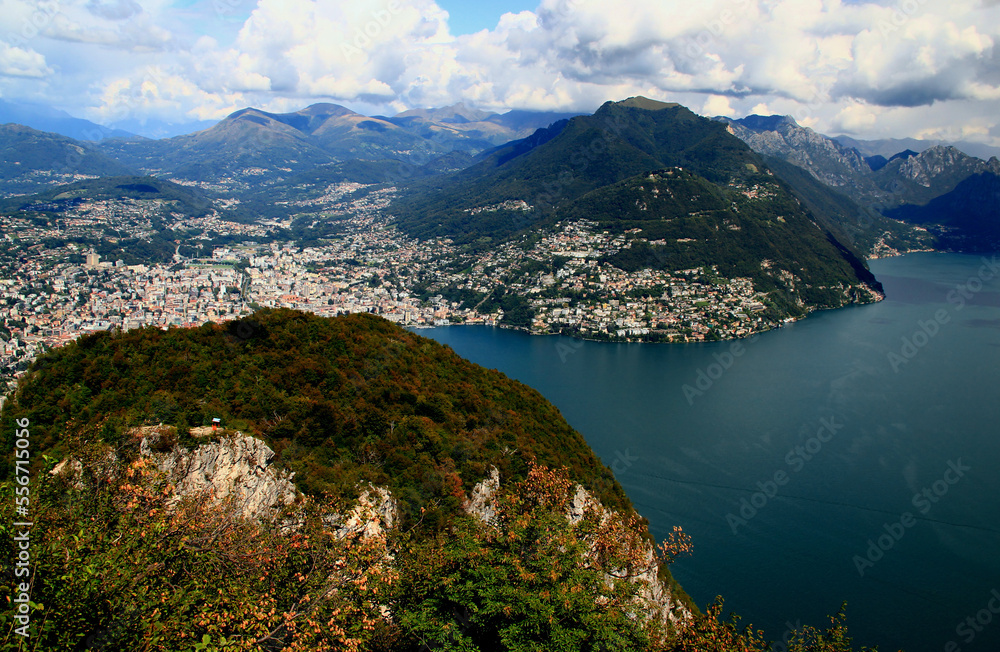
point(870, 69)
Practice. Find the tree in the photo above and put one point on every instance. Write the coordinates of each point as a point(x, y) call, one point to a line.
point(530, 578)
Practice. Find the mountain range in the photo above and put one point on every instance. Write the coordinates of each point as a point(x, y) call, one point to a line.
point(864, 198)
point(914, 187)
point(46, 118)
point(263, 146)
point(887, 147)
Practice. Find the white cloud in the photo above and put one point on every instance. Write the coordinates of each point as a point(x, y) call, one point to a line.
point(22, 62)
point(717, 105)
point(114, 9)
point(832, 64)
point(855, 118)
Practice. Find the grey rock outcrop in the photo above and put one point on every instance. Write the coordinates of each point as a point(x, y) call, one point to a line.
point(824, 158)
point(375, 514)
point(480, 502)
point(237, 467)
point(655, 597)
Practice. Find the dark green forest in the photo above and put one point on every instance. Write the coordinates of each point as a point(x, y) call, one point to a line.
point(342, 401)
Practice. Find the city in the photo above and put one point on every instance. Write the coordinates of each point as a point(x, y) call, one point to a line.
point(55, 288)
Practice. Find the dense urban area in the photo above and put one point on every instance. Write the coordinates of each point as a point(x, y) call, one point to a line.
point(54, 287)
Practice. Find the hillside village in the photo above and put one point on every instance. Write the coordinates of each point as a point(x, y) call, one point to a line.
point(54, 287)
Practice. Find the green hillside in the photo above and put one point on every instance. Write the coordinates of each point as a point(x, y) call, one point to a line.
point(361, 400)
point(117, 565)
point(181, 199)
point(848, 220)
point(682, 221)
point(31, 160)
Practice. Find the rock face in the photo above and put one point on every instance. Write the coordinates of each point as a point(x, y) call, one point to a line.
point(480, 503)
point(374, 515)
point(910, 179)
point(237, 467)
point(780, 136)
point(655, 597)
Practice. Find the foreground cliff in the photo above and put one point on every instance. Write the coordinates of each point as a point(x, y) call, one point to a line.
point(367, 490)
point(349, 456)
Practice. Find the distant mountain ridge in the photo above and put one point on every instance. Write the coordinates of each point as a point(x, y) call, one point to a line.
point(263, 146)
point(255, 154)
point(32, 160)
point(897, 185)
point(45, 118)
point(888, 146)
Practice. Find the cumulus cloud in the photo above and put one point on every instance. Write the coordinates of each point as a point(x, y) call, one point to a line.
point(855, 118)
point(21, 62)
point(717, 105)
point(156, 91)
point(137, 32)
point(832, 64)
point(114, 9)
point(926, 59)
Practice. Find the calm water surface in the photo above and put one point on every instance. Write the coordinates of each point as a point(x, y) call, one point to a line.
point(791, 463)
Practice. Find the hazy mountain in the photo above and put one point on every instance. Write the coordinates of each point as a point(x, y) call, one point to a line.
point(348, 135)
point(46, 118)
point(31, 160)
point(155, 128)
point(252, 148)
point(895, 185)
point(456, 113)
point(459, 127)
point(247, 148)
point(888, 146)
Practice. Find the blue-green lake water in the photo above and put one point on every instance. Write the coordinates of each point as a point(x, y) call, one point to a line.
point(854, 455)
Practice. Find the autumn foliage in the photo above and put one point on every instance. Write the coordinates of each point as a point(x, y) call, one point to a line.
point(123, 565)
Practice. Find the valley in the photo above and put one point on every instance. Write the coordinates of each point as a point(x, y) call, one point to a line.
point(533, 236)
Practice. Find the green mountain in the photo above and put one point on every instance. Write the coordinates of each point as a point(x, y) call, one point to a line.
point(965, 219)
point(177, 198)
point(685, 191)
point(32, 160)
point(348, 404)
point(361, 400)
point(868, 230)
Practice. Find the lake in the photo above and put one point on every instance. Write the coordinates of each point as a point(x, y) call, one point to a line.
point(851, 456)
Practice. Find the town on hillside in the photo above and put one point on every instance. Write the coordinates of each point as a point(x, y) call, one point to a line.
point(54, 287)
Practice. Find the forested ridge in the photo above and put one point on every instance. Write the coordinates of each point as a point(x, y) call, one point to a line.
point(118, 564)
point(342, 401)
